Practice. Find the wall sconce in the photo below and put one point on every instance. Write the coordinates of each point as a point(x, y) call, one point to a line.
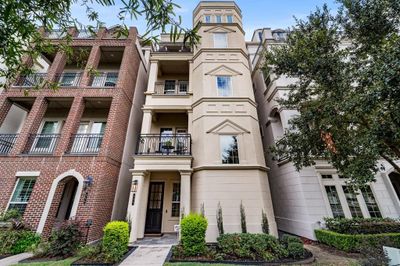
point(88, 182)
point(134, 186)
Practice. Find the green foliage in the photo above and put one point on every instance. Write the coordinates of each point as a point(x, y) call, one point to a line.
point(8, 215)
point(115, 240)
point(355, 243)
point(264, 223)
point(362, 225)
point(63, 242)
point(89, 251)
point(17, 241)
point(220, 221)
point(193, 234)
point(295, 250)
point(251, 246)
point(287, 239)
point(347, 92)
point(243, 218)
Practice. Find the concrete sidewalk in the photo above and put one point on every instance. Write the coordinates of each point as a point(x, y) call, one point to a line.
point(15, 259)
point(147, 255)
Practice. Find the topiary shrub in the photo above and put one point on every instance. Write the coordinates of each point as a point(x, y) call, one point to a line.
point(193, 234)
point(243, 218)
point(115, 240)
point(220, 221)
point(295, 250)
point(286, 239)
point(264, 222)
point(15, 242)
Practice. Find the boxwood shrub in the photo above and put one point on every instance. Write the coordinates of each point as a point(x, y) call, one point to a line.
point(17, 241)
point(193, 234)
point(362, 225)
point(115, 240)
point(357, 242)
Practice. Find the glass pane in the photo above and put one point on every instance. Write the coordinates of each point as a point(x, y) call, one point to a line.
point(207, 19)
point(23, 190)
point(334, 201)
point(98, 127)
point(49, 127)
point(169, 87)
point(229, 149)
point(224, 86)
point(229, 18)
point(371, 203)
point(83, 127)
point(219, 19)
point(67, 79)
point(220, 40)
point(352, 201)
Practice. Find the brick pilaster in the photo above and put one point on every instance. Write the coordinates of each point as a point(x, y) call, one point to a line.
point(5, 105)
point(71, 125)
point(93, 62)
point(31, 124)
point(57, 66)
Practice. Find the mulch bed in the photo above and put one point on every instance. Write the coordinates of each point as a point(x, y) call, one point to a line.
point(35, 259)
point(97, 261)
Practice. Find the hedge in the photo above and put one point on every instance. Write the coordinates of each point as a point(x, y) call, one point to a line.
point(115, 240)
point(17, 241)
point(362, 225)
point(354, 243)
point(193, 234)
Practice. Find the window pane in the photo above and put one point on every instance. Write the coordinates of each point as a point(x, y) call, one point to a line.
point(176, 198)
point(352, 201)
point(326, 176)
point(334, 201)
point(229, 18)
point(207, 19)
point(218, 18)
point(22, 194)
point(169, 87)
point(229, 149)
point(224, 86)
point(371, 203)
point(220, 40)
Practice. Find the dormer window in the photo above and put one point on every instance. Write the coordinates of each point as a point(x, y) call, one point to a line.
point(229, 18)
point(218, 18)
point(207, 19)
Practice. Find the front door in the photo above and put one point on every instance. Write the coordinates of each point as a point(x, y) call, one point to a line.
point(154, 208)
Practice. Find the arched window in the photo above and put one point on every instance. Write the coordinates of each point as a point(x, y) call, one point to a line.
point(276, 124)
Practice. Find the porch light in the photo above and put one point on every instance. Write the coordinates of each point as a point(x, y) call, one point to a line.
point(88, 182)
point(134, 186)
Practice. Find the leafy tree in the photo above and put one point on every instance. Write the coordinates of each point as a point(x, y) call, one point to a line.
point(20, 19)
point(347, 92)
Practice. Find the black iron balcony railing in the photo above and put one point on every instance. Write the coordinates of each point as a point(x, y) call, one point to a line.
point(41, 144)
point(7, 142)
point(172, 88)
point(105, 79)
point(174, 144)
point(280, 145)
point(85, 144)
point(69, 79)
point(30, 80)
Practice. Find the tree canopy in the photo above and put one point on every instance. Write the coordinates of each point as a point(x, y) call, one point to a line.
point(20, 19)
point(347, 92)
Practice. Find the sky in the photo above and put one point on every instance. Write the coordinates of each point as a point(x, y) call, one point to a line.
point(256, 13)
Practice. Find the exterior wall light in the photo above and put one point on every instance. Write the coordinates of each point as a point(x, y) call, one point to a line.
point(134, 186)
point(88, 182)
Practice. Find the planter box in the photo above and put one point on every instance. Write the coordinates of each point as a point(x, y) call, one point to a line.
point(78, 263)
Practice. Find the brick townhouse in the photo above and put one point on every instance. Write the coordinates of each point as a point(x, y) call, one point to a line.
point(62, 152)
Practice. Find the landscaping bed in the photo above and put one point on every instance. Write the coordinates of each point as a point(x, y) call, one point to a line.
point(98, 259)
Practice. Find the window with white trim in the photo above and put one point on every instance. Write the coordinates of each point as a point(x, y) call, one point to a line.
point(229, 149)
point(352, 201)
point(224, 85)
point(218, 18)
point(176, 200)
point(371, 203)
point(229, 18)
point(334, 201)
point(207, 19)
point(220, 40)
point(22, 193)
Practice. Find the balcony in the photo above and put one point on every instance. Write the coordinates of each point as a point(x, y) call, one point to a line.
point(41, 144)
point(30, 80)
point(105, 79)
point(165, 145)
point(69, 79)
point(7, 142)
point(171, 87)
point(85, 144)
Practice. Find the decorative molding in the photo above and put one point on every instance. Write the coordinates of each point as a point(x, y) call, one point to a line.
point(237, 129)
point(223, 70)
point(220, 28)
point(27, 174)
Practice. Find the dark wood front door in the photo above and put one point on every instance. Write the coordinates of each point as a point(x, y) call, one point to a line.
point(155, 208)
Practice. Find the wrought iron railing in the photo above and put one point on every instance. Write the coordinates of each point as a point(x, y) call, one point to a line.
point(174, 144)
point(85, 144)
point(172, 88)
point(41, 143)
point(56, 34)
point(105, 79)
point(279, 144)
point(86, 34)
point(7, 142)
point(30, 80)
point(69, 79)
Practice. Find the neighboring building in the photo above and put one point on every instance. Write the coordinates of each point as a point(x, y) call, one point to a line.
point(63, 155)
point(200, 143)
point(303, 198)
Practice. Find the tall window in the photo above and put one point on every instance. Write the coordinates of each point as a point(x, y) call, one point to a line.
point(352, 201)
point(218, 18)
point(220, 40)
point(371, 203)
point(207, 19)
point(176, 200)
point(229, 18)
point(229, 149)
point(224, 86)
point(334, 201)
point(22, 194)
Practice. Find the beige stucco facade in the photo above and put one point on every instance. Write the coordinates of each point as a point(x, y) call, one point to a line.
point(185, 118)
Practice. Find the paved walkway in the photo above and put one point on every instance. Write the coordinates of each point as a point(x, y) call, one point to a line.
point(328, 256)
point(147, 255)
point(15, 259)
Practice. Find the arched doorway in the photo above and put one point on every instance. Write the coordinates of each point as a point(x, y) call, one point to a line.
point(395, 180)
point(67, 199)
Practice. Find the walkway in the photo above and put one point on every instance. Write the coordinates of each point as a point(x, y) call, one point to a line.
point(15, 259)
point(328, 256)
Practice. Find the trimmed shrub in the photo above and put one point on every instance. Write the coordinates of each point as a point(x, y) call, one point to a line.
point(251, 246)
point(193, 234)
point(287, 239)
point(15, 242)
point(264, 222)
point(63, 242)
point(243, 218)
point(295, 250)
point(9, 215)
point(355, 243)
point(220, 221)
point(115, 240)
point(362, 225)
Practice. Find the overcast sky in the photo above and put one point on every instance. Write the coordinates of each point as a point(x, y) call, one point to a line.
point(256, 13)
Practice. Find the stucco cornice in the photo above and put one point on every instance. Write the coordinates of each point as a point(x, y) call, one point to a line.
point(220, 50)
point(224, 99)
point(231, 167)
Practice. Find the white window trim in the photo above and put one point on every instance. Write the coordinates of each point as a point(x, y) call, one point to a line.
point(227, 15)
point(238, 148)
point(226, 39)
point(219, 15)
point(205, 18)
point(16, 185)
point(172, 201)
point(230, 85)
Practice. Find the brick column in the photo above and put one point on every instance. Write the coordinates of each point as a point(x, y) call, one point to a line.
point(93, 62)
point(71, 125)
point(5, 105)
point(31, 124)
point(57, 66)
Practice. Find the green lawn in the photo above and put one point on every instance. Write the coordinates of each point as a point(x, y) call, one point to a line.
point(194, 264)
point(65, 262)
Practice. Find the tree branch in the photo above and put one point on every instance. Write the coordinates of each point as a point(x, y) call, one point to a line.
point(391, 162)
